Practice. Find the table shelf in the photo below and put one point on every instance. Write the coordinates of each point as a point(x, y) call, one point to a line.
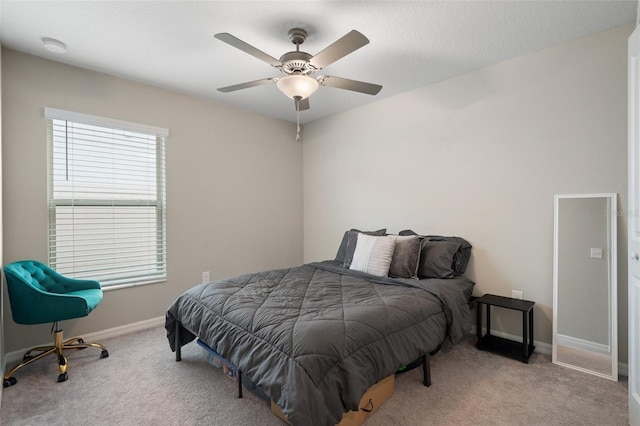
point(518, 350)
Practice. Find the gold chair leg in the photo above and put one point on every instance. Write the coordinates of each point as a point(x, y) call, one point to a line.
point(62, 361)
point(58, 350)
point(81, 344)
point(51, 351)
point(84, 346)
point(73, 339)
point(38, 349)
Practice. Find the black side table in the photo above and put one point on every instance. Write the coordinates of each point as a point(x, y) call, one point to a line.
point(521, 351)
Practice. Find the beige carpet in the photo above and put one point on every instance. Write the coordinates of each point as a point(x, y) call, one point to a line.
point(141, 384)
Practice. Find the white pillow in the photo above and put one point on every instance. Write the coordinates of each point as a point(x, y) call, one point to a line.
point(373, 255)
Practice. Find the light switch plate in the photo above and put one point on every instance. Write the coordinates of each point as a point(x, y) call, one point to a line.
point(596, 253)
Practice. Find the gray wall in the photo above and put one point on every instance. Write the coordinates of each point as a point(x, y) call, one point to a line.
point(234, 193)
point(481, 156)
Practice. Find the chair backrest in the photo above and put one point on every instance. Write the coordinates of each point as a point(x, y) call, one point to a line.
point(36, 274)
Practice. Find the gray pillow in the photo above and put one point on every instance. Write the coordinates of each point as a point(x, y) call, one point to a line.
point(437, 259)
point(461, 259)
point(346, 249)
point(406, 257)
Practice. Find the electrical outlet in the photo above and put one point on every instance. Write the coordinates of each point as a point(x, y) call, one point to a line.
point(205, 277)
point(517, 294)
point(596, 253)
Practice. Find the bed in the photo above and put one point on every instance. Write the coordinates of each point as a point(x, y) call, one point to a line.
point(315, 337)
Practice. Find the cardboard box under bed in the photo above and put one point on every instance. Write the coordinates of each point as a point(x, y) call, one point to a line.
point(369, 403)
point(372, 399)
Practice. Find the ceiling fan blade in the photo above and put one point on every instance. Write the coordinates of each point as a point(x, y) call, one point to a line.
point(248, 84)
point(352, 41)
point(302, 104)
point(247, 48)
point(354, 85)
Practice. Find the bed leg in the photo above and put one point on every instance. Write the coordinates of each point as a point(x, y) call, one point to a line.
point(176, 342)
point(426, 370)
point(239, 384)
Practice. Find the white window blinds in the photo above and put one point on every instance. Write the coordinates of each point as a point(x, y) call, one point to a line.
point(106, 199)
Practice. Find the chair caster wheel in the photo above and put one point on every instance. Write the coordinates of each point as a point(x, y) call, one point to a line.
point(104, 354)
point(63, 377)
point(9, 382)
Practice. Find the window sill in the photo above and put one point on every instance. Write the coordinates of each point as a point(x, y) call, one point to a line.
point(129, 285)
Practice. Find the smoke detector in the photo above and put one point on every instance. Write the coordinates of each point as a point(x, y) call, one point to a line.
point(53, 45)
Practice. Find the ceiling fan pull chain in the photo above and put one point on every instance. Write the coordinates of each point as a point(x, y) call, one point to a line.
point(298, 120)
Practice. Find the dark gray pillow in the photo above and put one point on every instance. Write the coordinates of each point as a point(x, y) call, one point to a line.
point(437, 259)
point(406, 258)
point(346, 249)
point(463, 254)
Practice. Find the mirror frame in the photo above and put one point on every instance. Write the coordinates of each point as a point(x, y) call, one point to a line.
point(613, 282)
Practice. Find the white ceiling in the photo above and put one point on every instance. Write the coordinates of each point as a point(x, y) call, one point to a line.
point(170, 44)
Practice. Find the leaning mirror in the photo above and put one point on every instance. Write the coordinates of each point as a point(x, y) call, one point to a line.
point(585, 333)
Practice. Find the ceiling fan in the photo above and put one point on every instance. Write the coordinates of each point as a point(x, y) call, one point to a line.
point(298, 67)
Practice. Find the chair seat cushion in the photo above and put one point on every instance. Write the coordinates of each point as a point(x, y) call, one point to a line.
point(93, 297)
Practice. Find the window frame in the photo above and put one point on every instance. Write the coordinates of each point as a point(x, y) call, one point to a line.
point(159, 203)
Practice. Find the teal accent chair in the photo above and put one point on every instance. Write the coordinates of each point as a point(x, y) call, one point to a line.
point(39, 295)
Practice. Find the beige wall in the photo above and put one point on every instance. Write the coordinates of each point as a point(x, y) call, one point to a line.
point(481, 156)
point(234, 193)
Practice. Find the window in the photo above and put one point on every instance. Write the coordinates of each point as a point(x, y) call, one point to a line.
point(106, 199)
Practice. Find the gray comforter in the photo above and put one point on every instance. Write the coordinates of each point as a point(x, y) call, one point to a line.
point(314, 338)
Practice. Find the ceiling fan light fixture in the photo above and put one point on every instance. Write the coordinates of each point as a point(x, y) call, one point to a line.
point(298, 86)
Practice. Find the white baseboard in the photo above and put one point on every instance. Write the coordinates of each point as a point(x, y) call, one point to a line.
point(546, 348)
point(585, 345)
point(14, 357)
point(623, 369)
